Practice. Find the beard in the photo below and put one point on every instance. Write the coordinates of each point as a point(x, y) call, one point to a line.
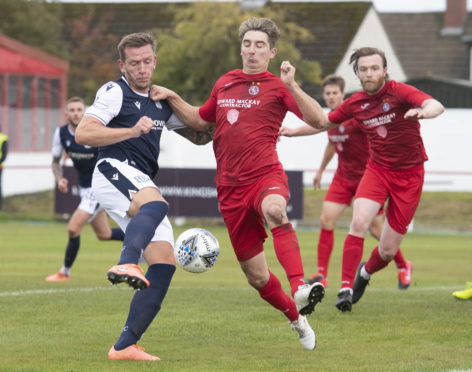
point(372, 86)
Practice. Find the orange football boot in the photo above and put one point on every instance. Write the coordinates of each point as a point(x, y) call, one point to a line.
point(133, 352)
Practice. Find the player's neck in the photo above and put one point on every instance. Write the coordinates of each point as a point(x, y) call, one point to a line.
point(72, 127)
point(249, 71)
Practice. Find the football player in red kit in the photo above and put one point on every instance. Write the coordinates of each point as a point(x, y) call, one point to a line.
point(388, 112)
point(349, 142)
point(248, 106)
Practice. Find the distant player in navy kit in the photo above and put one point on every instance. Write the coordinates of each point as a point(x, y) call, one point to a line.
point(127, 125)
point(84, 159)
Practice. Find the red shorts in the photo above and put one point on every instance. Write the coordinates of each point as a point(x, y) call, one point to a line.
point(240, 207)
point(402, 188)
point(341, 191)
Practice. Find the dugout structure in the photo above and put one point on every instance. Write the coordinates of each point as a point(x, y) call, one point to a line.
point(33, 89)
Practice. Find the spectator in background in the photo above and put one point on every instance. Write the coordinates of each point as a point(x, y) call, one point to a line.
point(3, 156)
point(84, 159)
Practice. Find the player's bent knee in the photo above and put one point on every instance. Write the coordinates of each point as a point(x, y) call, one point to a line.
point(276, 213)
point(359, 226)
point(103, 236)
point(159, 252)
point(73, 232)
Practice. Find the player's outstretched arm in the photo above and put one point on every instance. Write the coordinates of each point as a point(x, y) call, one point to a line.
point(197, 137)
point(311, 110)
point(188, 114)
point(301, 130)
point(430, 108)
point(92, 132)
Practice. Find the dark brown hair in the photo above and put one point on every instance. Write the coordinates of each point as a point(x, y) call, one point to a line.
point(334, 80)
point(364, 52)
point(261, 24)
point(135, 40)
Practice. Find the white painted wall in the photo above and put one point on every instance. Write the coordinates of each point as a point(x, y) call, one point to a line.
point(446, 138)
point(370, 33)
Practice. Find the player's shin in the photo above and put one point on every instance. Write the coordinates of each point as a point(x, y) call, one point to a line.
point(288, 253)
point(146, 304)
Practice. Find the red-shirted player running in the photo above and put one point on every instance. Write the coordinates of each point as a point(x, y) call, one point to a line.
point(248, 107)
point(349, 142)
point(388, 112)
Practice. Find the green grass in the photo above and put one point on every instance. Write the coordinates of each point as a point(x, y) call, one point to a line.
point(216, 322)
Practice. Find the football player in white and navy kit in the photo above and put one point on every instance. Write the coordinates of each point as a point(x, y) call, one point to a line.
point(127, 126)
point(84, 159)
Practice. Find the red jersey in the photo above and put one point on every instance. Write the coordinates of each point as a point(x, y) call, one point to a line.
point(395, 142)
point(248, 111)
point(350, 143)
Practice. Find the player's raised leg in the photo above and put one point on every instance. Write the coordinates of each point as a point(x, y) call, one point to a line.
point(287, 250)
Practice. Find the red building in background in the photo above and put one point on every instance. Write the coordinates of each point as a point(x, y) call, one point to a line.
point(33, 89)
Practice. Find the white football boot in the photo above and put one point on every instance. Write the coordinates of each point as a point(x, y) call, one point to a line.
point(307, 296)
point(306, 335)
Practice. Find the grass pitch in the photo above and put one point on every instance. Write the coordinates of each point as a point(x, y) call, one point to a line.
point(215, 322)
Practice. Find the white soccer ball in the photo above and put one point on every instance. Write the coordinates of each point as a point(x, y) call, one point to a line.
point(196, 250)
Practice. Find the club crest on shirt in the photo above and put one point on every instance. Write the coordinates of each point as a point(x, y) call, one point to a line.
point(254, 89)
point(386, 106)
point(232, 116)
point(341, 128)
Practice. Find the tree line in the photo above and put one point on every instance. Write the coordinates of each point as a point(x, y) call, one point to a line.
point(197, 42)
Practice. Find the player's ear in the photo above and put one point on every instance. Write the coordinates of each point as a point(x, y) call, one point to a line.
point(121, 65)
point(273, 52)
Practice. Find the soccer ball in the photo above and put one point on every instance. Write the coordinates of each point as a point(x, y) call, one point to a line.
point(196, 250)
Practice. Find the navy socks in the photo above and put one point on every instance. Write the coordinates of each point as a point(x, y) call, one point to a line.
point(140, 231)
point(71, 251)
point(117, 234)
point(146, 304)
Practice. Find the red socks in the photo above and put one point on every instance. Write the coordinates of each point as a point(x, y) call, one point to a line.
point(352, 255)
point(375, 262)
point(273, 293)
point(399, 260)
point(325, 247)
point(288, 253)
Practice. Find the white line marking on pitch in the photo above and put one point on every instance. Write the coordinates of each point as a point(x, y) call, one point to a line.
point(93, 289)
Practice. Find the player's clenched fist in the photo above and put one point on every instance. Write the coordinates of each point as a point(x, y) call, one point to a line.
point(143, 126)
point(287, 72)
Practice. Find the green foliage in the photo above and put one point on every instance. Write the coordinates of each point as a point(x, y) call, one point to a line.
point(34, 23)
point(205, 44)
point(93, 54)
point(215, 322)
